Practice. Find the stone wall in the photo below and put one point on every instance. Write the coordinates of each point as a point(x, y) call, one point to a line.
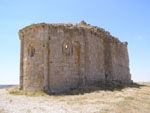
point(120, 62)
point(57, 57)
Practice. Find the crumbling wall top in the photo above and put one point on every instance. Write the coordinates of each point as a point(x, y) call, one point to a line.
point(94, 29)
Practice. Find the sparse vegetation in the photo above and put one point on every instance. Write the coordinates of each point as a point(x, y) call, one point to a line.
point(102, 86)
point(115, 97)
point(15, 91)
point(99, 98)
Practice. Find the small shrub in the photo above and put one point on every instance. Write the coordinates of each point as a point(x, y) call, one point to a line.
point(15, 91)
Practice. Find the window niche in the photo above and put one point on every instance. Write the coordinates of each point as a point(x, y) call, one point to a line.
point(31, 51)
point(67, 48)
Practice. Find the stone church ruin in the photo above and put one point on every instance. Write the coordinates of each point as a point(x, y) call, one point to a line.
point(60, 56)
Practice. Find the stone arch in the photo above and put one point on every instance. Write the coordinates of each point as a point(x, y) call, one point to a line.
point(67, 48)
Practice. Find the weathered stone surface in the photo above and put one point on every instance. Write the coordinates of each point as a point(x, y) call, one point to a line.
point(57, 57)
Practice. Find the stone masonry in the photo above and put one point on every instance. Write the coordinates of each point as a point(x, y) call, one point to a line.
point(60, 56)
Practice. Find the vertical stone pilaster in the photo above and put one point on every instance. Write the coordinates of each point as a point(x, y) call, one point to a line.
point(86, 60)
point(21, 62)
point(46, 72)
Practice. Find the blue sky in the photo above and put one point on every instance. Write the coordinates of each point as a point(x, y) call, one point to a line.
point(128, 20)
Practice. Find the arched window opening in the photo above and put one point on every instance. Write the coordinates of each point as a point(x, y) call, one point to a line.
point(67, 48)
point(31, 51)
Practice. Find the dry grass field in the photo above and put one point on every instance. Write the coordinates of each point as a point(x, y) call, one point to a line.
point(98, 98)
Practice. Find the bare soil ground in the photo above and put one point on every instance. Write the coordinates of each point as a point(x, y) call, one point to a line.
point(134, 98)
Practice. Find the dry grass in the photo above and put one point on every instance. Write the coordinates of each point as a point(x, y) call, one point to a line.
point(115, 98)
point(103, 98)
point(15, 91)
